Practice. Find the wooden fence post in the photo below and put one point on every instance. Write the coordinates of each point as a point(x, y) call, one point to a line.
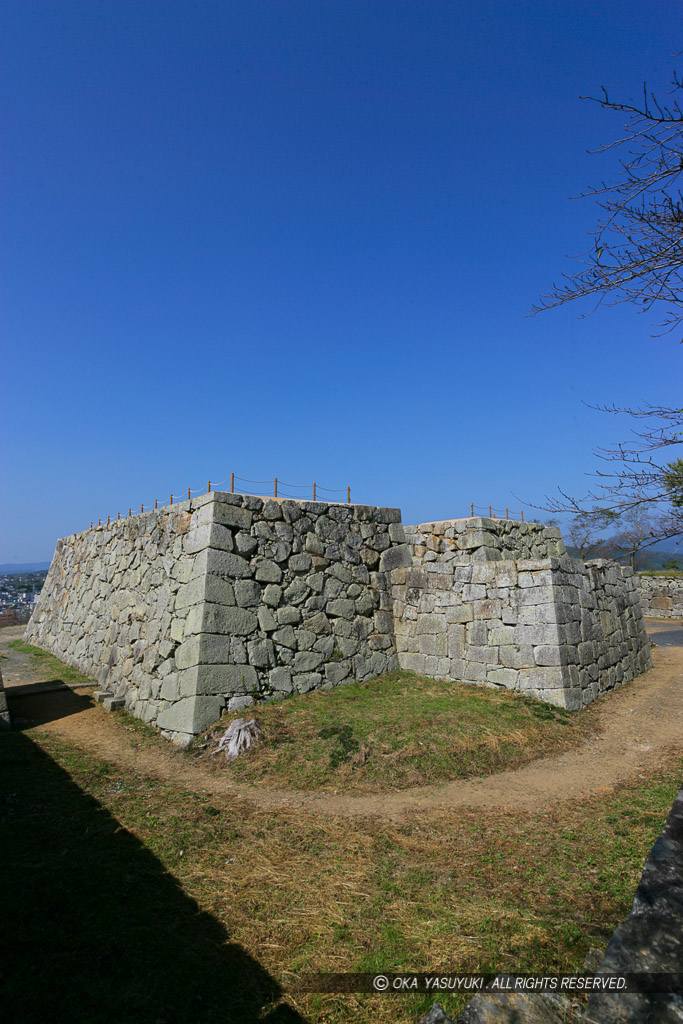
point(155, 502)
point(314, 490)
point(348, 495)
point(275, 487)
point(208, 487)
point(489, 511)
point(232, 483)
point(507, 516)
point(188, 493)
point(522, 515)
point(171, 499)
point(472, 510)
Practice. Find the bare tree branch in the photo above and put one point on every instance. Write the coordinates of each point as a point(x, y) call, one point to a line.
point(636, 254)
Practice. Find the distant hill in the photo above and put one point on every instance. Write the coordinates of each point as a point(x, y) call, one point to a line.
point(654, 559)
point(649, 559)
point(9, 568)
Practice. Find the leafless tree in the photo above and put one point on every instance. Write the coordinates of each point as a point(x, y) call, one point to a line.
point(583, 533)
point(636, 256)
point(636, 253)
point(636, 486)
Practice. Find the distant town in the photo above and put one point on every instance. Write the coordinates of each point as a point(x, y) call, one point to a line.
point(19, 593)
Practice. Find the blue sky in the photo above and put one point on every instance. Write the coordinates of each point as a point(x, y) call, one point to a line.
point(300, 239)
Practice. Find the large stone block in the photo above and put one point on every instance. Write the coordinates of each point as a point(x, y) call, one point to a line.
point(433, 644)
point(502, 635)
point(430, 624)
point(384, 622)
point(305, 681)
point(216, 618)
point(261, 652)
point(307, 661)
point(190, 715)
point(516, 656)
point(472, 539)
point(192, 593)
point(487, 609)
point(395, 558)
point(232, 516)
point(460, 613)
point(506, 677)
point(220, 563)
point(217, 679)
point(204, 648)
point(209, 535)
point(280, 680)
point(551, 678)
point(413, 663)
point(247, 593)
point(337, 671)
point(537, 634)
point(268, 571)
point(341, 608)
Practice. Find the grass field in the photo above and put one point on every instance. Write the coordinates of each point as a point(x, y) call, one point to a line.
point(133, 899)
point(660, 572)
point(398, 731)
point(46, 663)
point(140, 900)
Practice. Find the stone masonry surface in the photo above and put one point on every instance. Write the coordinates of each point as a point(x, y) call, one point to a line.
point(229, 599)
point(221, 601)
point(490, 601)
point(661, 596)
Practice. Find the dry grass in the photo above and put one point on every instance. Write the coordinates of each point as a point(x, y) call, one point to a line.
point(396, 732)
point(300, 893)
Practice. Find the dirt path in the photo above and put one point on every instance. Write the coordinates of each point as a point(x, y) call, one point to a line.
point(638, 724)
point(18, 669)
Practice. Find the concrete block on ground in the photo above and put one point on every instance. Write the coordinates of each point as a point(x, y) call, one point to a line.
point(113, 703)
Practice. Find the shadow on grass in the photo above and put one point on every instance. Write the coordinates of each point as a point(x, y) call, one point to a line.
point(35, 705)
point(95, 928)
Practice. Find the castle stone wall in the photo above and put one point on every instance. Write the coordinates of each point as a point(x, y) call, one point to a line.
point(484, 540)
point(550, 626)
point(229, 599)
point(661, 596)
point(223, 600)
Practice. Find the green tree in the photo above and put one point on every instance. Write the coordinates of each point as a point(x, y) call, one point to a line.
point(673, 481)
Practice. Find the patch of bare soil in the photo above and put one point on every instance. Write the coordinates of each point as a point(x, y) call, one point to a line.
point(18, 669)
point(638, 724)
